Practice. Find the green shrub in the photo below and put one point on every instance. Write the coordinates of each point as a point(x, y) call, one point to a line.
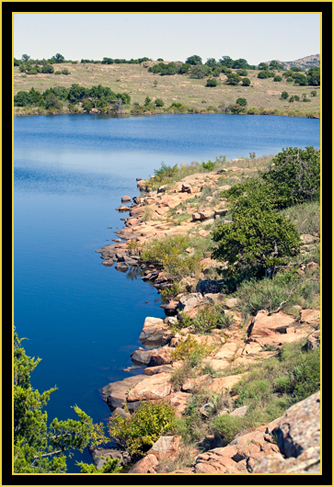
point(191, 351)
point(143, 428)
point(170, 252)
point(226, 427)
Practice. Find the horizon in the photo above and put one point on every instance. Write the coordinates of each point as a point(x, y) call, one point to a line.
point(172, 37)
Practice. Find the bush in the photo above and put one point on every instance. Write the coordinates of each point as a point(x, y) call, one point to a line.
point(284, 95)
point(246, 82)
point(226, 427)
point(242, 102)
point(294, 176)
point(191, 351)
point(143, 428)
point(278, 78)
point(211, 83)
point(159, 102)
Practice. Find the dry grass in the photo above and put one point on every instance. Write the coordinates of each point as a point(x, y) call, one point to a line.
point(139, 83)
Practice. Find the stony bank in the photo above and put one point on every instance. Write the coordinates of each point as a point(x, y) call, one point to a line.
point(239, 365)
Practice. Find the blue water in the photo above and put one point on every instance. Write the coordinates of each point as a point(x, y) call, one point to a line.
point(70, 172)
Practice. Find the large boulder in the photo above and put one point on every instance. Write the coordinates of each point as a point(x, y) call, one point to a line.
point(115, 393)
point(145, 465)
point(166, 446)
point(152, 387)
point(298, 439)
point(152, 332)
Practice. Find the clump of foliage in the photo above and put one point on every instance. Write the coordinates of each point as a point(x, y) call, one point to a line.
point(226, 427)
point(170, 252)
point(191, 351)
point(143, 428)
point(271, 387)
point(207, 319)
point(257, 240)
point(40, 447)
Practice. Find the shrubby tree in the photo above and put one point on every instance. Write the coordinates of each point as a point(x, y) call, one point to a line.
point(242, 102)
point(233, 79)
point(284, 95)
point(246, 82)
point(199, 71)
point(39, 447)
point(211, 83)
point(193, 60)
point(258, 239)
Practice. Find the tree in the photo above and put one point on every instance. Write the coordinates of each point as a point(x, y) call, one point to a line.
point(159, 102)
point(242, 102)
point(193, 60)
point(211, 83)
point(58, 58)
point(39, 448)
point(263, 66)
point(284, 95)
point(25, 58)
point(199, 71)
point(258, 239)
point(147, 101)
point(52, 102)
point(313, 76)
point(276, 65)
point(294, 176)
point(278, 78)
point(233, 79)
point(22, 99)
point(246, 82)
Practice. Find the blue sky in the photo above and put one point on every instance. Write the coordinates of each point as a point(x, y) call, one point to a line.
point(173, 37)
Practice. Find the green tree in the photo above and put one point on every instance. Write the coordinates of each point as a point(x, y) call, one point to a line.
point(258, 239)
point(233, 79)
point(284, 95)
point(278, 78)
point(52, 102)
point(22, 99)
point(211, 83)
point(193, 60)
point(242, 102)
point(199, 71)
point(246, 82)
point(276, 65)
point(294, 176)
point(313, 76)
point(159, 102)
point(58, 58)
point(147, 101)
point(39, 448)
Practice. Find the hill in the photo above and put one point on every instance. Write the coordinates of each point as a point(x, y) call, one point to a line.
point(263, 96)
point(304, 62)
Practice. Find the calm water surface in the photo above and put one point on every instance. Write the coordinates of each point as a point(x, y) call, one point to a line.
point(70, 172)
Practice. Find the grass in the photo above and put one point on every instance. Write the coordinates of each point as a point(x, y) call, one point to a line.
point(262, 95)
point(268, 389)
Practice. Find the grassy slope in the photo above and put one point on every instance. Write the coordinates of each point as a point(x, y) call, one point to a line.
point(138, 83)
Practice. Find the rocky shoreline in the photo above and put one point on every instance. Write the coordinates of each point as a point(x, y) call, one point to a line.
point(290, 444)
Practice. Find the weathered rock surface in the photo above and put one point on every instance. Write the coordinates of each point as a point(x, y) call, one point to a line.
point(153, 387)
point(115, 393)
point(152, 332)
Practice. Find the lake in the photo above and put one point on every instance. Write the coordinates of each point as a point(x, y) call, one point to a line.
point(70, 172)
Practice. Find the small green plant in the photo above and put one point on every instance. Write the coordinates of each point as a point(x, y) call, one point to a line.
point(192, 351)
point(226, 427)
point(209, 166)
point(143, 428)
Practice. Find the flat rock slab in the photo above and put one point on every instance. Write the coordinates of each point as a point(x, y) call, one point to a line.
point(115, 393)
point(153, 387)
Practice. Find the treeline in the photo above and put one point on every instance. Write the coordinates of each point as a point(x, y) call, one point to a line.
point(99, 97)
point(195, 68)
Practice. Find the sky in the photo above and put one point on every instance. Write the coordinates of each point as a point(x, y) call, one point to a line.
point(172, 37)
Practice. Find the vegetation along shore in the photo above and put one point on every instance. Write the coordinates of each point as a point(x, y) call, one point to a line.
point(147, 87)
point(230, 379)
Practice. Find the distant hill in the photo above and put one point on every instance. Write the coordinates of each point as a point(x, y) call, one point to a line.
point(304, 63)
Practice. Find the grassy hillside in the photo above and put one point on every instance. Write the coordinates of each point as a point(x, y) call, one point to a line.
point(262, 95)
